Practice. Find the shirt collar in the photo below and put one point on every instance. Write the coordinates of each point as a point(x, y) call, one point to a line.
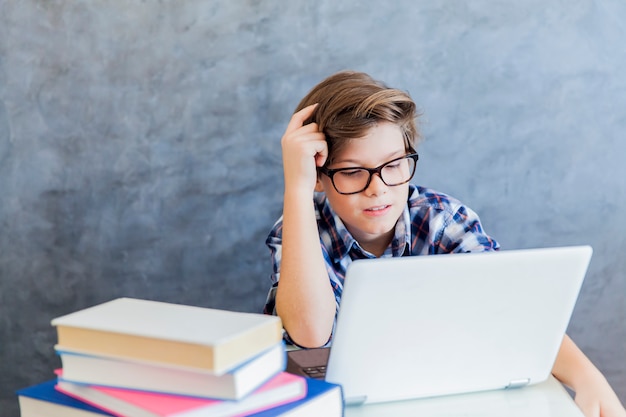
point(401, 243)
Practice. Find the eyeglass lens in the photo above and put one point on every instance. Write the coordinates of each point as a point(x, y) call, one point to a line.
point(355, 180)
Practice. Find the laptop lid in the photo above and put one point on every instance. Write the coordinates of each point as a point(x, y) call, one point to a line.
point(426, 326)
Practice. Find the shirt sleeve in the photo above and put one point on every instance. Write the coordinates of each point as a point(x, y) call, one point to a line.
point(442, 224)
point(275, 244)
point(463, 232)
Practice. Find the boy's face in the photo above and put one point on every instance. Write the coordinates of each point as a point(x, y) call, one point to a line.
point(370, 215)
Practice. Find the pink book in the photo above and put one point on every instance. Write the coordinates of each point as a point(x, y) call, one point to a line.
point(282, 389)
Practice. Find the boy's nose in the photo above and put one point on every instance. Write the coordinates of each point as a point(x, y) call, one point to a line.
point(376, 186)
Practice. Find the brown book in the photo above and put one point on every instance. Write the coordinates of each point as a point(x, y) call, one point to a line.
point(158, 332)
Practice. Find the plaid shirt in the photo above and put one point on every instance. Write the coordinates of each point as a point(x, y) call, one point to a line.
point(432, 223)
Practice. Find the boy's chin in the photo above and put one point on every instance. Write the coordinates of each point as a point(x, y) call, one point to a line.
point(375, 231)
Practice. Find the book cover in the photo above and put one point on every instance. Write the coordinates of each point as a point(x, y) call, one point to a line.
point(283, 388)
point(210, 339)
point(42, 400)
point(133, 374)
point(322, 399)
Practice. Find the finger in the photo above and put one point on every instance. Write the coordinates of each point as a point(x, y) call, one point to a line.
point(305, 134)
point(320, 159)
point(298, 119)
point(307, 129)
point(311, 143)
point(322, 154)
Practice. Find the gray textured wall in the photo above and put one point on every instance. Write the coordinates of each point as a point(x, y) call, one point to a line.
point(139, 144)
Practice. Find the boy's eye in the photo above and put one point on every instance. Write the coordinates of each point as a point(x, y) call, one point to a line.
point(393, 165)
point(351, 173)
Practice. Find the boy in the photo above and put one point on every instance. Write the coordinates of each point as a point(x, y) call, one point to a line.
point(350, 150)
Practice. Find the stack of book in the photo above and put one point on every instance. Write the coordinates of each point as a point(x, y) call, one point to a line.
point(140, 358)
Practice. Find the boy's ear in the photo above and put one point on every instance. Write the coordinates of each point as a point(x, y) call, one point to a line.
point(319, 187)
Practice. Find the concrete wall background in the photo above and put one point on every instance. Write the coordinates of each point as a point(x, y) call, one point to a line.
point(140, 156)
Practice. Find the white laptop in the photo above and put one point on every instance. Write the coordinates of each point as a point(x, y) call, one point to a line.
point(425, 326)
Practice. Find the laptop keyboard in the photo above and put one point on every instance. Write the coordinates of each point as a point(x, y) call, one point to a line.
point(308, 362)
point(317, 372)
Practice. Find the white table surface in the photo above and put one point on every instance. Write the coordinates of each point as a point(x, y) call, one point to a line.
point(546, 399)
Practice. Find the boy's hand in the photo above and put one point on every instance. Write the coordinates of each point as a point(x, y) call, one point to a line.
point(597, 399)
point(594, 395)
point(304, 149)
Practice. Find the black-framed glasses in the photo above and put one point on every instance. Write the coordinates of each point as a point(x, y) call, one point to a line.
point(353, 180)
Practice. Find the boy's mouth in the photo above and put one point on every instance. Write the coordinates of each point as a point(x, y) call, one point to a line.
point(378, 210)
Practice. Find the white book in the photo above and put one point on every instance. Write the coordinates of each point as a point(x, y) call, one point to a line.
point(152, 331)
point(84, 368)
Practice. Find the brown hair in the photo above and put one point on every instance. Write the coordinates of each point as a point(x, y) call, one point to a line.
point(350, 103)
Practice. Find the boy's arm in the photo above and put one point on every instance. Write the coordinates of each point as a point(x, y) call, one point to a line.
point(594, 395)
point(305, 300)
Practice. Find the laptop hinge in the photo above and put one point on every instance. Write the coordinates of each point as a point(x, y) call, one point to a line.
point(518, 383)
point(356, 400)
